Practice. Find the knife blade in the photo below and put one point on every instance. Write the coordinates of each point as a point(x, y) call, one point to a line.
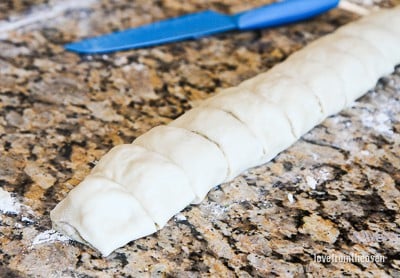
point(202, 24)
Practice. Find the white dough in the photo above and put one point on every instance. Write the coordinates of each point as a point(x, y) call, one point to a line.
point(239, 145)
point(326, 85)
point(348, 68)
point(375, 63)
point(209, 167)
point(260, 116)
point(136, 188)
point(103, 214)
point(161, 187)
point(297, 101)
point(385, 41)
point(385, 19)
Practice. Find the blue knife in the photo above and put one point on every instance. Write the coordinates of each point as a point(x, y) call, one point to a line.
point(201, 24)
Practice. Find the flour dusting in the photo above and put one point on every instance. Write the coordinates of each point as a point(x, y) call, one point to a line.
point(27, 220)
point(213, 210)
point(8, 204)
point(290, 198)
point(180, 217)
point(311, 182)
point(49, 236)
point(380, 123)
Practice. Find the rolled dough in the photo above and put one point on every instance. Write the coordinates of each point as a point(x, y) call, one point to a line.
point(136, 188)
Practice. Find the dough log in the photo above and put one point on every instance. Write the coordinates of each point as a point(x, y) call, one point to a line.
point(136, 188)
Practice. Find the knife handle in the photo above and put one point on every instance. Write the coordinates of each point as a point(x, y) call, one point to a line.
point(281, 13)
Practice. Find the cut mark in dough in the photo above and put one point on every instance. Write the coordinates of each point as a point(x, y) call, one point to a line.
point(348, 67)
point(367, 42)
point(378, 37)
point(337, 74)
point(100, 175)
point(291, 96)
point(180, 145)
point(228, 132)
point(372, 59)
point(243, 123)
point(229, 172)
point(306, 84)
point(141, 172)
point(292, 129)
point(259, 115)
point(384, 19)
point(275, 73)
point(321, 107)
point(167, 159)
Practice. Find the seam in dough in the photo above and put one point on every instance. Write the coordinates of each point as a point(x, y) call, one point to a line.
point(338, 76)
point(274, 79)
point(229, 172)
point(100, 175)
point(183, 143)
point(372, 71)
point(258, 114)
point(244, 124)
point(367, 42)
point(306, 84)
point(370, 27)
point(170, 161)
point(203, 120)
point(276, 73)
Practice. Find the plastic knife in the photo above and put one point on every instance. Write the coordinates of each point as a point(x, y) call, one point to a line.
point(201, 24)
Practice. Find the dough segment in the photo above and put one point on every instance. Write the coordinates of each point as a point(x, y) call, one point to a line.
point(137, 187)
point(350, 70)
point(161, 187)
point(85, 213)
point(385, 19)
point(385, 41)
point(296, 99)
point(182, 146)
point(240, 146)
point(326, 85)
point(372, 58)
point(259, 115)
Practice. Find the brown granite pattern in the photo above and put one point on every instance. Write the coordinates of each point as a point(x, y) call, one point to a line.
point(60, 112)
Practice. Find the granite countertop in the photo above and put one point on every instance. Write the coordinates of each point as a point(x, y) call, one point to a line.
point(335, 192)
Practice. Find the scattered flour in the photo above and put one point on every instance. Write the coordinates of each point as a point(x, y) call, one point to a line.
point(380, 123)
point(290, 198)
point(180, 217)
point(135, 66)
point(49, 236)
point(8, 204)
point(311, 182)
point(324, 174)
point(26, 219)
point(365, 153)
point(213, 210)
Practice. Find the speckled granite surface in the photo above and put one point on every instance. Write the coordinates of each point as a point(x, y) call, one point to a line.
point(59, 113)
